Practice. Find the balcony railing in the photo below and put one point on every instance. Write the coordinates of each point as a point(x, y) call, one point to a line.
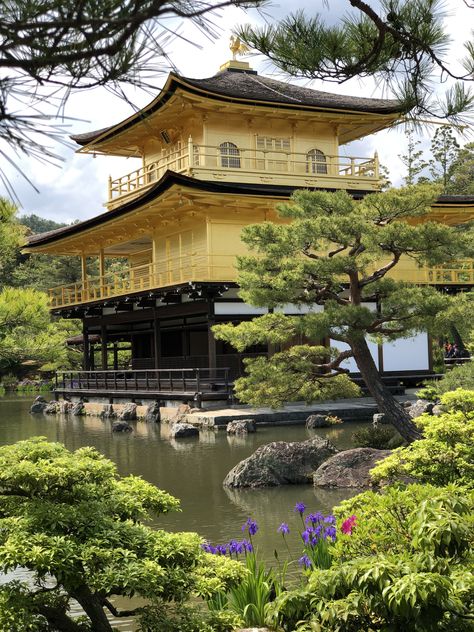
point(218, 268)
point(250, 165)
point(145, 277)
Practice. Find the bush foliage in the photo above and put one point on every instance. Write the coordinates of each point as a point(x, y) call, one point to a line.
point(445, 454)
point(78, 528)
point(407, 565)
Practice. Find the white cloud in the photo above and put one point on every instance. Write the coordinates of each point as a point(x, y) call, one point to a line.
point(78, 189)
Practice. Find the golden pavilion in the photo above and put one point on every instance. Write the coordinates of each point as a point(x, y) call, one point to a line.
point(216, 154)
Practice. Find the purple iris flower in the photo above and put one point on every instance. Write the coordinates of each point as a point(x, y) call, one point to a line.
point(306, 535)
point(300, 508)
point(236, 547)
point(208, 548)
point(248, 548)
point(221, 548)
point(314, 518)
point(283, 528)
point(305, 561)
point(330, 532)
point(251, 525)
point(330, 519)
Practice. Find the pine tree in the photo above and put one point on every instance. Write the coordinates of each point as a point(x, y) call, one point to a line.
point(333, 257)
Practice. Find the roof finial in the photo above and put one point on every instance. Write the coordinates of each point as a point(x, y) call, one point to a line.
point(237, 47)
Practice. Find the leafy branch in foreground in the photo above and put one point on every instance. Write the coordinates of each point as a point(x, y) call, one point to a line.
point(49, 48)
point(78, 528)
point(334, 257)
point(403, 44)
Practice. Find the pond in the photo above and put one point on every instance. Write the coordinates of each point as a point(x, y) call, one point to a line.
point(190, 469)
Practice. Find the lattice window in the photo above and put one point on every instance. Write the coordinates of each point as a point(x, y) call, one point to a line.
point(316, 162)
point(269, 143)
point(276, 153)
point(230, 155)
point(151, 172)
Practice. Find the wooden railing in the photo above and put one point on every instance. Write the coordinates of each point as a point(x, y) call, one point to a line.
point(459, 273)
point(219, 268)
point(145, 277)
point(248, 163)
point(159, 381)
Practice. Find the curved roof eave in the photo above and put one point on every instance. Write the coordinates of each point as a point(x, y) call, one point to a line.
point(341, 104)
point(168, 179)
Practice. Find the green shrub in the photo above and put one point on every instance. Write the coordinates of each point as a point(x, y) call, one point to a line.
point(407, 565)
point(446, 452)
point(78, 527)
point(164, 617)
point(460, 376)
point(379, 437)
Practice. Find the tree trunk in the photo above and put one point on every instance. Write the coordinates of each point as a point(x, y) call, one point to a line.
point(457, 337)
point(386, 402)
point(58, 619)
point(93, 607)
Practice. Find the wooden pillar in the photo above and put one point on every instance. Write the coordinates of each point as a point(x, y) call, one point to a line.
point(101, 270)
point(211, 341)
point(103, 347)
point(86, 348)
point(92, 358)
point(84, 294)
point(156, 340)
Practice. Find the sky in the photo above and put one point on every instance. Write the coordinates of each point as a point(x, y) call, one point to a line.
point(77, 189)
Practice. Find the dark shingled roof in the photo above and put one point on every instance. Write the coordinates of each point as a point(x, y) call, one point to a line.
point(455, 199)
point(249, 85)
point(244, 86)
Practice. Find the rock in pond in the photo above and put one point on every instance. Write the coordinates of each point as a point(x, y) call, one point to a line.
point(320, 421)
point(241, 426)
point(64, 407)
point(280, 463)
point(153, 414)
point(128, 412)
point(182, 431)
point(108, 412)
point(38, 405)
point(78, 409)
point(121, 426)
point(51, 408)
point(349, 468)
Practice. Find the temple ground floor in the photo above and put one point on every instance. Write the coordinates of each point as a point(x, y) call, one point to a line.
point(161, 346)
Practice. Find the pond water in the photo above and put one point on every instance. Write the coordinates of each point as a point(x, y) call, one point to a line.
point(190, 469)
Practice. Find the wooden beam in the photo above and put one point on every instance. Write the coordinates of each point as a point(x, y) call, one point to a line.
point(103, 347)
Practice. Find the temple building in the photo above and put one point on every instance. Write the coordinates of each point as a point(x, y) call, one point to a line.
point(216, 155)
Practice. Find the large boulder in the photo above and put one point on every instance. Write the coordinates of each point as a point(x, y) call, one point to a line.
point(128, 412)
point(153, 414)
point(349, 468)
point(241, 426)
point(280, 463)
point(420, 407)
point(182, 431)
point(38, 405)
point(121, 426)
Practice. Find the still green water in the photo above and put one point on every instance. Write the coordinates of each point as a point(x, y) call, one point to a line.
point(190, 469)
